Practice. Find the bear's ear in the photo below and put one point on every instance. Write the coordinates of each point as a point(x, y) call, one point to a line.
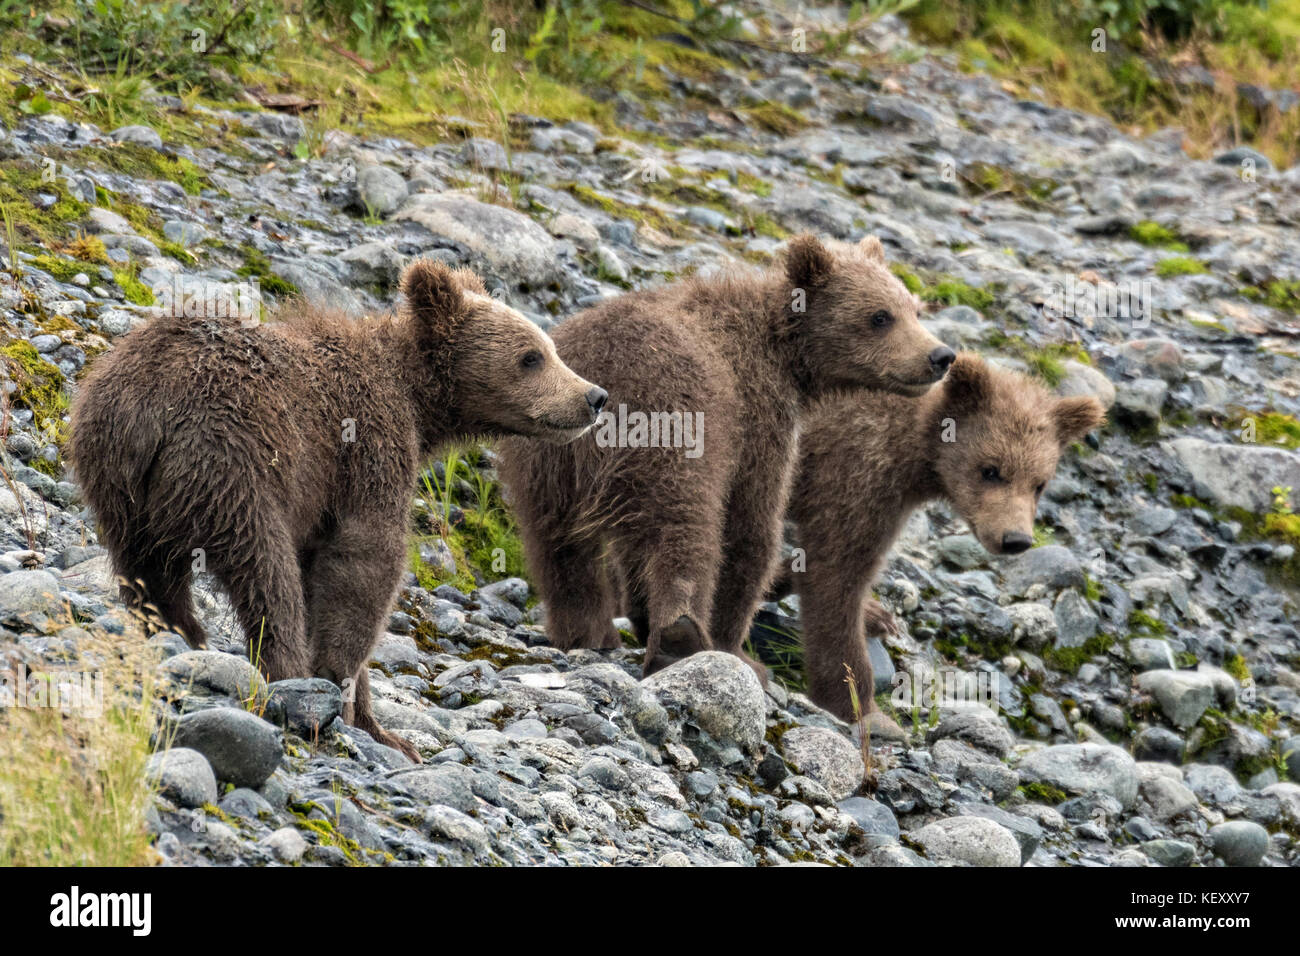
point(873, 249)
point(433, 294)
point(1076, 416)
point(966, 386)
point(807, 261)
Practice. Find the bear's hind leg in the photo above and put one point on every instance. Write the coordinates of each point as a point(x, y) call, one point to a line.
point(265, 587)
point(353, 578)
point(678, 579)
point(157, 590)
point(578, 592)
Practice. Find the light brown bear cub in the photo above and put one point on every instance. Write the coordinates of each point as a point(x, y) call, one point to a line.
point(284, 457)
point(690, 530)
point(987, 440)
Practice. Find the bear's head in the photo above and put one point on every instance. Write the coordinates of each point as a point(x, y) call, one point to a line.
point(498, 371)
point(1000, 434)
point(858, 322)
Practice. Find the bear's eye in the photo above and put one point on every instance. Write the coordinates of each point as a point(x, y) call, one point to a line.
point(532, 360)
point(1039, 490)
point(990, 473)
point(880, 318)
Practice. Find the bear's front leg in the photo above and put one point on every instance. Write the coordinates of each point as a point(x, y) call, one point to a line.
point(351, 581)
point(751, 547)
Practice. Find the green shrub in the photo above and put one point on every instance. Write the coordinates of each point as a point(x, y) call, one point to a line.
point(178, 43)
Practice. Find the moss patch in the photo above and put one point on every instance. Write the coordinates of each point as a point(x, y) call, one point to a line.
point(1180, 266)
point(40, 389)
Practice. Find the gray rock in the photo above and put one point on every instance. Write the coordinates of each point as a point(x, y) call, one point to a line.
point(1242, 155)
point(448, 823)
point(1159, 743)
point(1291, 755)
point(511, 245)
point(1027, 833)
point(380, 190)
point(30, 592)
point(1237, 475)
point(484, 154)
point(976, 729)
point(1170, 852)
point(1150, 653)
point(1033, 625)
point(304, 705)
point(973, 841)
point(281, 126)
point(1213, 784)
point(286, 845)
point(719, 693)
point(874, 818)
point(374, 263)
point(1052, 565)
point(1142, 401)
point(1076, 622)
point(243, 749)
point(215, 672)
point(1183, 696)
point(183, 776)
point(138, 136)
point(1084, 769)
point(962, 550)
point(825, 756)
point(1239, 842)
point(184, 233)
point(246, 803)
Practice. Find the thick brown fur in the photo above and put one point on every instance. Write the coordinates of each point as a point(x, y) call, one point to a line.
point(692, 540)
point(868, 460)
point(201, 442)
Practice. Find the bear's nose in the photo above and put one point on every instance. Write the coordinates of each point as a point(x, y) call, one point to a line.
point(596, 398)
point(940, 359)
point(1014, 542)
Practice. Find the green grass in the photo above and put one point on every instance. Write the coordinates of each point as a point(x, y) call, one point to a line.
point(484, 541)
point(39, 388)
point(955, 292)
point(1281, 294)
point(1153, 234)
point(1180, 266)
point(134, 290)
point(1047, 362)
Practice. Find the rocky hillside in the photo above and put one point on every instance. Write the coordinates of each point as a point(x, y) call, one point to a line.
point(1143, 658)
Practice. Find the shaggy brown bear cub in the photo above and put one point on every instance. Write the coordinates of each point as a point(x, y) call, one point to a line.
point(283, 458)
point(676, 498)
point(987, 440)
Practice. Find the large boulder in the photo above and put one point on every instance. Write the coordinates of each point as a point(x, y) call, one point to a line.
point(973, 841)
point(242, 748)
point(1237, 475)
point(719, 697)
point(511, 245)
point(1084, 768)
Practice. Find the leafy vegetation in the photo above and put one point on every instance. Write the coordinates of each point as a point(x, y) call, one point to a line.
point(1117, 58)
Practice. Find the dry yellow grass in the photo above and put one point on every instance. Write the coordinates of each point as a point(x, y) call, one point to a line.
point(72, 780)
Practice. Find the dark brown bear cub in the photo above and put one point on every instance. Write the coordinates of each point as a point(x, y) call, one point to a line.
point(676, 499)
point(284, 456)
point(987, 440)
